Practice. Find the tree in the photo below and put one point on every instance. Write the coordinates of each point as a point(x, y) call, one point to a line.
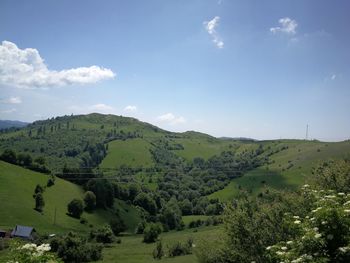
point(103, 234)
point(146, 202)
point(9, 156)
point(75, 208)
point(151, 232)
point(117, 225)
point(90, 200)
point(186, 207)
point(38, 189)
point(24, 159)
point(39, 202)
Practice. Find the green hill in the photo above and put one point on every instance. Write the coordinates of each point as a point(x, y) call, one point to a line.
point(290, 165)
point(16, 191)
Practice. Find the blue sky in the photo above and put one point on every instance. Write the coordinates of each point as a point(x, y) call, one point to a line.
point(261, 69)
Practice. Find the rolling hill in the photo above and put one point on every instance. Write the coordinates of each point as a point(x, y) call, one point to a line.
point(110, 142)
point(17, 204)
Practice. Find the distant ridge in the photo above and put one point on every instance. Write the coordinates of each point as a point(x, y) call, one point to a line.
point(238, 139)
point(4, 124)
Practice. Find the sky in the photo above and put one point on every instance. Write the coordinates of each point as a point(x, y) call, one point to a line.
point(258, 69)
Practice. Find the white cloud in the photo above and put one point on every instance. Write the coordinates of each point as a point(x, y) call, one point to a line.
point(12, 100)
point(24, 68)
point(333, 77)
point(211, 26)
point(287, 26)
point(130, 108)
point(9, 111)
point(171, 119)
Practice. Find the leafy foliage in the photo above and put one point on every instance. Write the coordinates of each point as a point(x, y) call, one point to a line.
point(151, 233)
point(75, 208)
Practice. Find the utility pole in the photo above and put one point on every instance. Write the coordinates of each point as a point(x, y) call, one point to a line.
point(307, 132)
point(54, 219)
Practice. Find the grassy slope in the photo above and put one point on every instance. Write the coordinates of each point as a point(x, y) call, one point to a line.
point(133, 152)
point(301, 154)
point(16, 190)
point(201, 147)
point(133, 250)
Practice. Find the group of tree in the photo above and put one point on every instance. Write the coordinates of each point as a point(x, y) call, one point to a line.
point(25, 160)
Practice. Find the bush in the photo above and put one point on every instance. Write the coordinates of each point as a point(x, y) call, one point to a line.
point(90, 200)
point(158, 252)
point(75, 208)
point(151, 233)
point(39, 202)
point(103, 234)
point(117, 225)
point(73, 248)
point(140, 227)
point(322, 235)
point(180, 249)
point(50, 182)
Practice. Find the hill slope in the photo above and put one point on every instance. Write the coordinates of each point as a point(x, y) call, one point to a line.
point(16, 190)
point(290, 165)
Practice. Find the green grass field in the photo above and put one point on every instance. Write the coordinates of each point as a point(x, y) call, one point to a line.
point(134, 152)
point(201, 147)
point(16, 190)
point(290, 168)
point(133, 250)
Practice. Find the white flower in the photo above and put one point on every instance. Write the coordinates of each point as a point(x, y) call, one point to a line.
point(318, 235)
point(29, 246)
point(296, 217)
point(289, 242)
point(341, 194)
point(280, 253)
point(284, 248)
point(268, 248)
point(44, 247)
point(347, 211)
point(324, 222)
point(297, 222)
point(315, 229)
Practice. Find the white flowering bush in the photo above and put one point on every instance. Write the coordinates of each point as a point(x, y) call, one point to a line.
point(323, 235)
point(32, 253)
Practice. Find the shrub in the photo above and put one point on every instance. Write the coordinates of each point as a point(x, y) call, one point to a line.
point(50, 182)
point(180, 249)
point(75, 208)
point(103, 234)
point(89, 200)
point(322, 235)
point(158, 252)
point(117, 225)
point(73, 248)
point(39, 202)
point(151, 232)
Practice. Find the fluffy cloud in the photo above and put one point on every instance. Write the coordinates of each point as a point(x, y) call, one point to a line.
point(171, 119)
point(12, 100)
point(130, 108)
point(211, 26)
point(24, 68)
point(287, 26)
